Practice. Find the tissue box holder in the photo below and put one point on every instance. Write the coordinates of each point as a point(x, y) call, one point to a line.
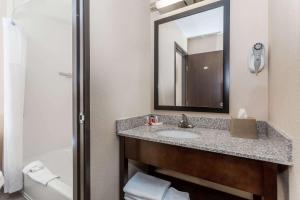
point(243, 128)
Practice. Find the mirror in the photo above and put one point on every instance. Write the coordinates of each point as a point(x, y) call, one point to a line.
point(192, 60)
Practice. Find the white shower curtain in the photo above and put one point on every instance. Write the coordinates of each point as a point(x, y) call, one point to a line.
point(14, 89)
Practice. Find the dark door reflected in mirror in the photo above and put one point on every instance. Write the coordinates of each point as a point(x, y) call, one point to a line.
point(192, 60)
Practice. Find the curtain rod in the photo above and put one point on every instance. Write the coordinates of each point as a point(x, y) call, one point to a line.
point(16, 8)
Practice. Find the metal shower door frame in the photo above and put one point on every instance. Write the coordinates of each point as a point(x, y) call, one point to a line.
point(81, 100)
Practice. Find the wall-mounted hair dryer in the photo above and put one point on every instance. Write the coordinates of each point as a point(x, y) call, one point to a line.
point(257, 58)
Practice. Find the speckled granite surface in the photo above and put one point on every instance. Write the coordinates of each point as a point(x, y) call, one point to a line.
point(214, 136)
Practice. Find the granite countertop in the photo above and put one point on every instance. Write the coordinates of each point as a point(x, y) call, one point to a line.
point(274, 149)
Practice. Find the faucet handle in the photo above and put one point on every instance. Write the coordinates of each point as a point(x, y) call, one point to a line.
point(184, 118)
point(184, 123)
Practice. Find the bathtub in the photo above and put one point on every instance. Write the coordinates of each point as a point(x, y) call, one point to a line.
point(60, 163)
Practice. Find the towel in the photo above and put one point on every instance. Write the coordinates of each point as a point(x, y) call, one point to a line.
point(130, 197)
point(173, 194)
point(1, 180)
point(39, 173)
point(142, 186)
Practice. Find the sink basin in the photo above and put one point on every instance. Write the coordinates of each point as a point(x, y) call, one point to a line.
point(177, 134)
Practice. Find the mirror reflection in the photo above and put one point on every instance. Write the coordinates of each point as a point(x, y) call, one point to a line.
point(190, 60)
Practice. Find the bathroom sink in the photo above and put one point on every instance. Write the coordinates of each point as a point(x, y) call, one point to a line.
point(177, 134)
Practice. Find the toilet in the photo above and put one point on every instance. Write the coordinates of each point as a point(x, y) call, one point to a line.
point(1, 179)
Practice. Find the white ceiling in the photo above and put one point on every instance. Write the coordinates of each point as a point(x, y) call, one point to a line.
point(204, 23)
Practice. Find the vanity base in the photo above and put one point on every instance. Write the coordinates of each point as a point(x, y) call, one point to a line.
point(197, 192)
point(256, 197)
point(256, 177)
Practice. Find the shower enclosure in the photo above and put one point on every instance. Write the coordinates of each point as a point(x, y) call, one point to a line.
point(54, 111)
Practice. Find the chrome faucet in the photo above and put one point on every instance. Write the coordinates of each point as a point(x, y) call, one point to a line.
point(184, 123)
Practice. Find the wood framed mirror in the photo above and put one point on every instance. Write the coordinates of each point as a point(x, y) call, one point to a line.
point(192, 60)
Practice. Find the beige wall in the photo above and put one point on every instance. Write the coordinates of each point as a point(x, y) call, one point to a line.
point(284, 81)
point(168, 33)
point(2, 14)
point(205, 44)
point(120, 82)
point(246, 90)
point(249, 24)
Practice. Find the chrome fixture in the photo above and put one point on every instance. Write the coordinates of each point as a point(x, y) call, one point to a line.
point(184, 123)
point(66, 75)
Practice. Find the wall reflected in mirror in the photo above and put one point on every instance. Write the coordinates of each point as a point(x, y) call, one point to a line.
point(190, 60)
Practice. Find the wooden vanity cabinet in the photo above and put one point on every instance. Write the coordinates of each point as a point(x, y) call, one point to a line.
point(256, 177)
